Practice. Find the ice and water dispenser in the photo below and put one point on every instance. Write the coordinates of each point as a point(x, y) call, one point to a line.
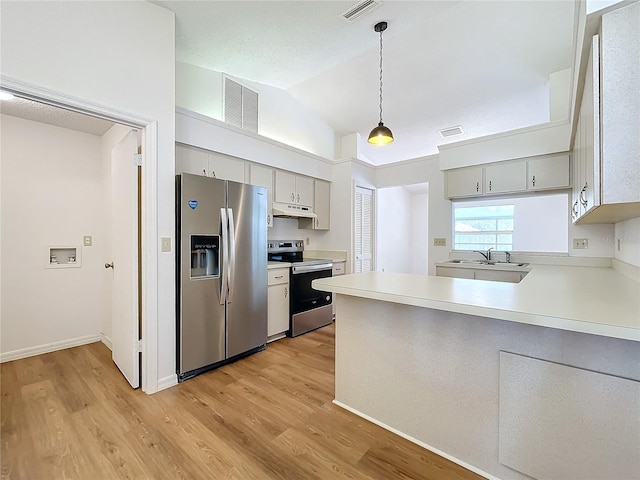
point(205, 256)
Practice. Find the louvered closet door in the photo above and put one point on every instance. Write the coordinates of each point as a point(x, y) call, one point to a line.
point(363, 235)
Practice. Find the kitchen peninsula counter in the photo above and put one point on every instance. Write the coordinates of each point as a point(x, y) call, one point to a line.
point(535, 379)
point(595, 300)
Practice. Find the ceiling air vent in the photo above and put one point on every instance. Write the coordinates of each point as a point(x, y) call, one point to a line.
point(451, 131)
point(356, 11)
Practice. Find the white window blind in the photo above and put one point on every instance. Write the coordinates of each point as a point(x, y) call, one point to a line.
point(363, 234)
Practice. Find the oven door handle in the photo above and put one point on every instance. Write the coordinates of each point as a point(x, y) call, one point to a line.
point(296, 269)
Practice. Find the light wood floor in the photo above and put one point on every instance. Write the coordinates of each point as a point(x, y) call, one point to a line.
point(70, 414)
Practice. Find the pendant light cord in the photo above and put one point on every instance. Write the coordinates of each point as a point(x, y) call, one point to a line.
point(381, 76)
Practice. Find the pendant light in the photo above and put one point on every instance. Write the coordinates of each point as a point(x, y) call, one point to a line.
point(380, 135)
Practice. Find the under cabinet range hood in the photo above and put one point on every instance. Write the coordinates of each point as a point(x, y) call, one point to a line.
point(292, 211)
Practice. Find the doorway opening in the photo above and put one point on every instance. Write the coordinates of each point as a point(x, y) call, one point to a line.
point(56, 157)
point(403, 229)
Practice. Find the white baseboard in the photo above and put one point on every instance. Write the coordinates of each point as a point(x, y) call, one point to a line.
point(167, 382)
point(417, 442)
point(106, 340)
point(48, 347)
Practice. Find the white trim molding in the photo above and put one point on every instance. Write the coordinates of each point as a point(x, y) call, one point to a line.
point(167, 382)
point(149, 129)
point(106, 340)
point(49, 347)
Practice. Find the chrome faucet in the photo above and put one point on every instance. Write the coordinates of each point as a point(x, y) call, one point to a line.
point(487, 255)
point(507, 256)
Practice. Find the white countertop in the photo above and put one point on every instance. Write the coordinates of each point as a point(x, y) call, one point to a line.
point(595, 300)
point(272, 265)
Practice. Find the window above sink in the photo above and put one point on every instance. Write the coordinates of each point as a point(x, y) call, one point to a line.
point(536, 224)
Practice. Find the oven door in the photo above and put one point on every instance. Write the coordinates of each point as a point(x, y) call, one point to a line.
point(303, 297)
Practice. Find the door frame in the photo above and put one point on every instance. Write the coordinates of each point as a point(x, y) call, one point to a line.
point(149, 259)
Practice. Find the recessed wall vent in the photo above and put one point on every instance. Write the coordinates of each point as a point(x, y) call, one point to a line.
point(240, 105)
point(451, 131)
point(359, 9)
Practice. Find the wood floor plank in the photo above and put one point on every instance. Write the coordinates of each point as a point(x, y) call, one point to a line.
point(71, 414)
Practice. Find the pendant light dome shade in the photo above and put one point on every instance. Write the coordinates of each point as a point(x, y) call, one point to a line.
point(380, 135)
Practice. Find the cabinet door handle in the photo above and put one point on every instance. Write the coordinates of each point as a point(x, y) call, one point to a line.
point(477, 186)
point(293, 197)
point(286, 292)
point(317, 222)
point(533, 181)
point(298, 200)
point(278, 276)
point(489, 185)
point(204, 172)
point(583, 200)
point(268, 219)
point(213, 174)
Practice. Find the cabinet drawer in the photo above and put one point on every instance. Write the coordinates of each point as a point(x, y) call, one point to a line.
point(338, 269)
point(278, 275)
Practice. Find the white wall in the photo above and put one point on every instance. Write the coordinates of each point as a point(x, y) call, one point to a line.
point(120, 55)
point(420, 170)
point(600, 238)
point(339, 237)
point(402, 231)
point(280, 116)
point(628, 233)
point(53, 193)
point(419, 241)
point(394, 232)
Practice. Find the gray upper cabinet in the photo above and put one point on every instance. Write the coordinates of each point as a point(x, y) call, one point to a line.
point(548, 172)
point(545, 172)
point(209, 164)
point(293, 189)
point(505, 177)
point(464, 182)
point(321, 207)
point(606, 187)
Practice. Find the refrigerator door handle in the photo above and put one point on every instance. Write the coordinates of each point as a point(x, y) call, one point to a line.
point(224, 227)
point(232, 253)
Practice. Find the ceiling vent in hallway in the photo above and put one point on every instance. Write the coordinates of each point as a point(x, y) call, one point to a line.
point(359, 9)
point(451, 131)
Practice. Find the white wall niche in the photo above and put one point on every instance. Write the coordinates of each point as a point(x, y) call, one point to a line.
point(63, 256)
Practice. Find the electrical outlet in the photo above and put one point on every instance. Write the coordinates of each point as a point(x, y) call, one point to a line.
point(439, 242)
point(580, 243)
point(165, 244)
point(87, 241)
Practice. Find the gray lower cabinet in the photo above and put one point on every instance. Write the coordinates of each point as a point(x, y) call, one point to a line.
point(481, 274)
point(278, 303)
point(338, 269)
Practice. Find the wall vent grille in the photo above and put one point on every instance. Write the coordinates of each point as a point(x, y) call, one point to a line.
point(451, 131)
point(240, 106)
point(359, 9)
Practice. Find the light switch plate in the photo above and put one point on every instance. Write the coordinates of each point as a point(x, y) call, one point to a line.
point(439, 242)
point(87, 240)
point(165, 244)
point(580, 243)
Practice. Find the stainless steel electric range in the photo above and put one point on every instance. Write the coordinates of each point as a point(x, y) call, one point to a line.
point(308, 308)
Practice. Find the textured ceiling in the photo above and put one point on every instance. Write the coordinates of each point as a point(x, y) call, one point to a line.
point(39, 112)
point(483, 65)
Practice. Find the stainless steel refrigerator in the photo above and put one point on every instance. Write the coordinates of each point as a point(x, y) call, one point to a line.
point(221, 272)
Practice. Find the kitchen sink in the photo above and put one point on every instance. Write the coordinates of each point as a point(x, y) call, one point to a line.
point(489, 262)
